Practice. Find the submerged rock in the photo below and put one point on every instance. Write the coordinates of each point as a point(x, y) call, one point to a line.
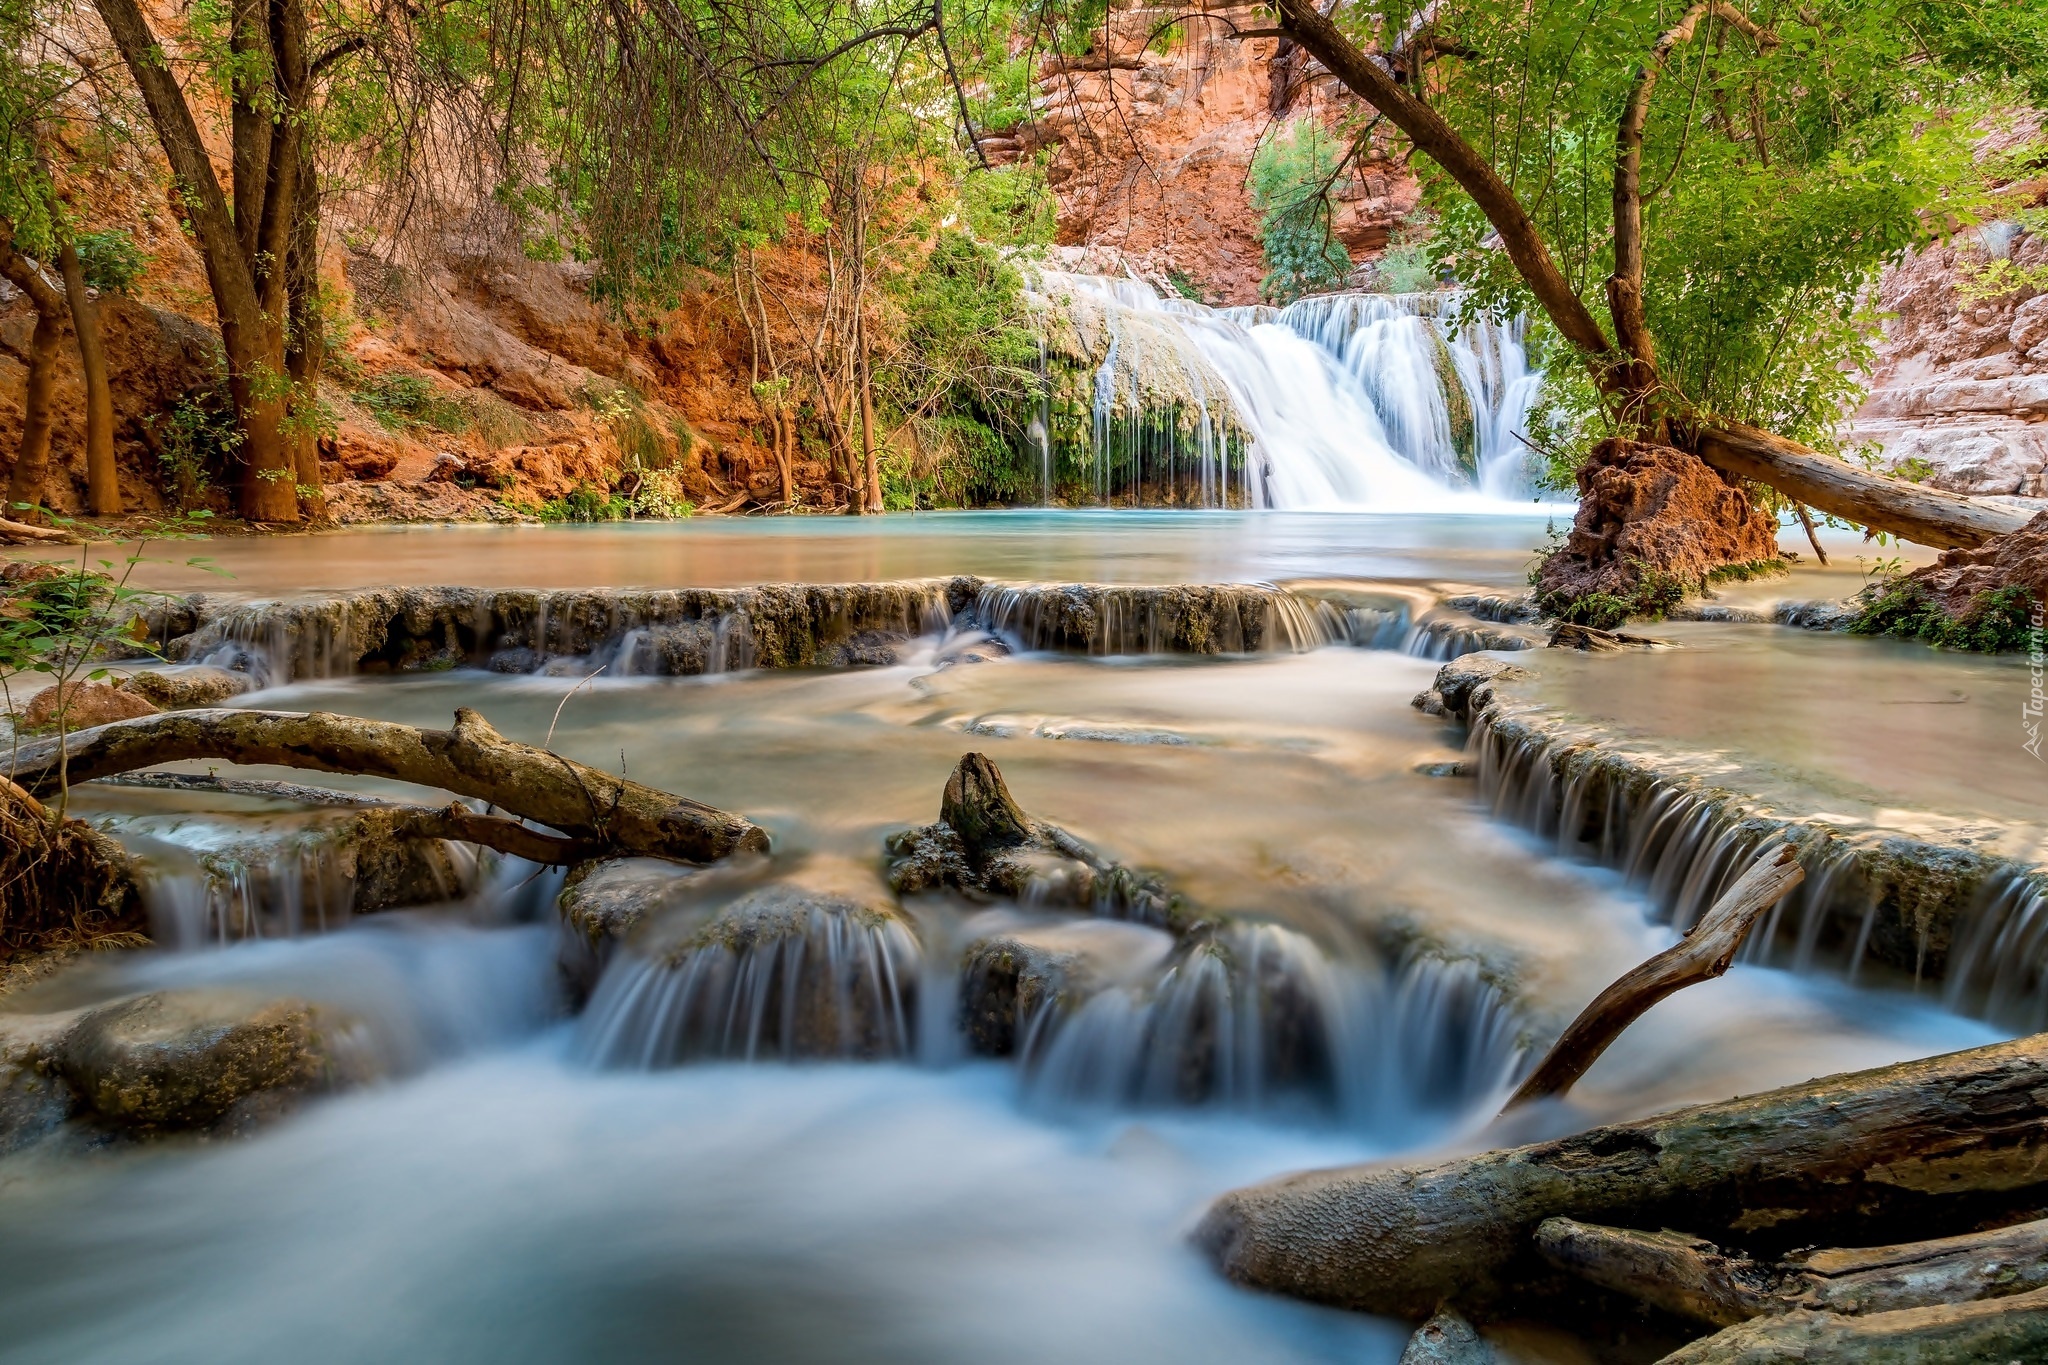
point(1462, 685)
point(1447, 1339)
point(984, 844)
point(184, 687)
point(195, 1058)
point(1020, 981)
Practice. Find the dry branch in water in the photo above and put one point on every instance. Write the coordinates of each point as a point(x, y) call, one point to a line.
point(1703, 954)
point(593, 808)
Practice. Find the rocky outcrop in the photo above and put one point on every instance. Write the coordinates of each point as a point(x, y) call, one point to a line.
point(2018, 560)
point(985, 846)
point(1959, 394)
point(1653, 523)
point(1150, 145)
point(82, 704)
point(200, 1058)
point(183, 688)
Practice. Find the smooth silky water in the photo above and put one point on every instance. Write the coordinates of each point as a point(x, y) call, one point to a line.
point(516, 1188)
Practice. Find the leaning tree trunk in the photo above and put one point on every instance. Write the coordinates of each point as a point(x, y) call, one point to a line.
point(102, 479)
point(306, 344)
point(32, 455)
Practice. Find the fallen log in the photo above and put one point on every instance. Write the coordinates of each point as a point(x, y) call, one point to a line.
point(396, 820)
point(469, 759)
point(1681, 1274)
point(1993, 1331)
point(21, 533)
point(1703, 954)
point(1693, 1278)
point(1939, 1145)
point(1926, 516)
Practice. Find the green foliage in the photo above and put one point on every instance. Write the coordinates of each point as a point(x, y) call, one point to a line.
point(195, 438)
point(587, 502)
point(1010, 205)
point(111, 260)
point(966, 367)
point(402, 402)
point(1290, 185)
point(1186, 285)
point(1748, 573)
point(1405, 268)
point(1997, 621)
point(1778, 177)
point(1654, 596)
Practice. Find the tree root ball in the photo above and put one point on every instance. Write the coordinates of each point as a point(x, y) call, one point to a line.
point(1653, 523)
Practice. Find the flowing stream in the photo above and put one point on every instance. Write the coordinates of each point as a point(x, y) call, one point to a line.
point(565, 1157)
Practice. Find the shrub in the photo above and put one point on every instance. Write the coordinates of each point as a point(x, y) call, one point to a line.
point(400, 402)
point(111, 260)
point(1996, 621)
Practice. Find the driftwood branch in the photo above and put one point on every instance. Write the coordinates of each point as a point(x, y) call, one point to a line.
point(1941, 1145)
point(1693, 1278)
point(1673, 1271)
point(21, 533)
point(1703, 954)
point(470, 759)
point(1990, 1330)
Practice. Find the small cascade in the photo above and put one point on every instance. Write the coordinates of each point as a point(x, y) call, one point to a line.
point(572, 632)
point(1082, 618)
point(1442, 636)
point(1998, 956)
point(212, 887)
point(1873, 908)
point(1259, 1019)
point(1375, 401)
point(781, 976)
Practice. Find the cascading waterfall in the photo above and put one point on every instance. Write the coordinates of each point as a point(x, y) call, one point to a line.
point(1260, 1018)
point(1872, 908)
point(1365, 401)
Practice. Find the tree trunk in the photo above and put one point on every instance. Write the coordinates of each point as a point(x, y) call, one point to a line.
point(245, 248)
point(1992, 1331)
point(1925, 516)
point(1695, 1279)
point(471, 759)
point(306, 342)
point(870, 464)
point(1933, 1146)
point(102, 480)
point(32, 455)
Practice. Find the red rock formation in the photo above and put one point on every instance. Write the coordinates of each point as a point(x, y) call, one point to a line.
point(2019, 559)
point(1650, 510)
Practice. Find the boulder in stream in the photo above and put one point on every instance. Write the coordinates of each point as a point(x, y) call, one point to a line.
point(985, 845)
point(183, 687)
point(1460, 685)
point(201, 1058)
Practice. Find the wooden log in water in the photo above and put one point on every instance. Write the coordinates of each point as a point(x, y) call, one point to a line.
point(1693, 1278)
point(1991, 1331)
point(587, 804)
point(1937, 1146)
point(1702, 955)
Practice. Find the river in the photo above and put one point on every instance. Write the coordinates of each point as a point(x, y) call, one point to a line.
point(514, 1186)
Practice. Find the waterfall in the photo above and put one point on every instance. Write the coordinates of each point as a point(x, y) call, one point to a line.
point(1382, 402)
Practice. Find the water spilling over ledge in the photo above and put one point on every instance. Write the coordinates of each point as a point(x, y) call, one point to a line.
point(690, 631)
point(1876, 906)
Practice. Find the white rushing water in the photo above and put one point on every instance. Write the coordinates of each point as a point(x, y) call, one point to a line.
point(1373, 402)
